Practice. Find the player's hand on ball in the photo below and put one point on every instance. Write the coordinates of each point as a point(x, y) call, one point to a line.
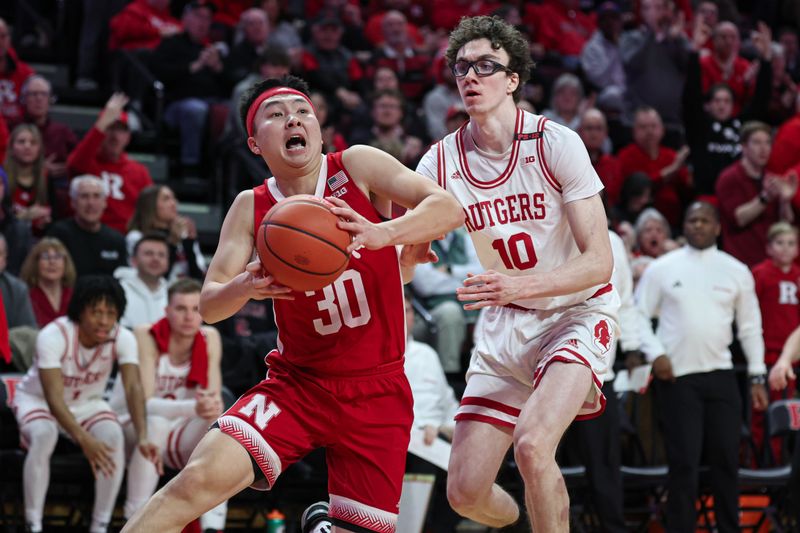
point(151, 452)
point(98, 453)
point(490, 289)
point(417, 254)
point(262, 285)
point(365, 233)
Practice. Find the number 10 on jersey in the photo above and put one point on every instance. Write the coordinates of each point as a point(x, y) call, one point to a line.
point(516, 252)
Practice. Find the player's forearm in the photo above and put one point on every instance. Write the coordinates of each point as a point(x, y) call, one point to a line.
point(791, 348)
point(134, 396)
point(589, 269)
point(219, 301)
point(436, 215)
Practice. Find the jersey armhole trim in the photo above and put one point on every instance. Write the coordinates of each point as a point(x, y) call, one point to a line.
point(548, 176)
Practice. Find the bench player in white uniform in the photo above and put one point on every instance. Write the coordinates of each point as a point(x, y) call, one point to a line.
point(179, 360)
point(63, 391)
point(531, 205)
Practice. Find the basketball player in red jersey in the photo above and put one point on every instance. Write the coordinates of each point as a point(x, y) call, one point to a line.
point(336, 380)
point(537, 222)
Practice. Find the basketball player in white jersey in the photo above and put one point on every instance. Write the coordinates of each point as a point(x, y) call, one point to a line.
point(531, 203)
point(63, 391)
point(179, 361)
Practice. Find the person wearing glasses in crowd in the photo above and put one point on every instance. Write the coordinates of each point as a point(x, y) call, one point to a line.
point(533, 210)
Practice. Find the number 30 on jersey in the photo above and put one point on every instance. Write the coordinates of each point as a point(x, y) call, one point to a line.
point(344, 302)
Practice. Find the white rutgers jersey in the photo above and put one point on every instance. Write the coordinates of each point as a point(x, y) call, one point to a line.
point(514, 202)
point(84, 370)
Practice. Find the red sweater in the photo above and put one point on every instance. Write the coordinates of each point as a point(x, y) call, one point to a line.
point(712, 73)
point(11, 80)
point(44, 311)
point(778, 300)
point(786, 146)
point(125, 178)
point(607, 167)
point(747, 244)
point(445, 14)
point(666, 195)
point(559, 29)
point(139, 26)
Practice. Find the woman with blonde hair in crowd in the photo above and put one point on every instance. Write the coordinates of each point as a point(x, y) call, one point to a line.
point(27, 182)
point(157, 212)
point(50, 274)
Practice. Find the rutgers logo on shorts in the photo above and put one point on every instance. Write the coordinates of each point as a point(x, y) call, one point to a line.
point(602, 336)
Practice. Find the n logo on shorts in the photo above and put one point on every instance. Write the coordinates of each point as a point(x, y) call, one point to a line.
point(264, 412)
point(602, 336)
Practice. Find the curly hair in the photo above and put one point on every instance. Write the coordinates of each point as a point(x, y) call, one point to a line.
point(93, 289)
point(501, 35)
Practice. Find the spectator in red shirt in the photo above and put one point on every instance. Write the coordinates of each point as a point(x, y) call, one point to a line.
point(725, 65)
point(59, 139)
point(594, 134)
point(786, 149)
point(445, 14)
point(13, 74)
point(398, 53)
point(102, 153)
point(27, 181)
point(561, 27)
point(777, 280)
point(665, 166)
point(751, 201)
point(50, 274)
point(141, 25)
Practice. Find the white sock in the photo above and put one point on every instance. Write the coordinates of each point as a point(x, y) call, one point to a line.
point(106, 488)
point(41, 435)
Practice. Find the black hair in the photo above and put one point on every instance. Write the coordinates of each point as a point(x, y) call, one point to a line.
point(702, 204)
point(719, 86)
point(250, 95)
point(92, 289)
point(501, 35)
point(150, 237)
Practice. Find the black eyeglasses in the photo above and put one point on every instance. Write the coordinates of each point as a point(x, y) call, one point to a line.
point(483, 67)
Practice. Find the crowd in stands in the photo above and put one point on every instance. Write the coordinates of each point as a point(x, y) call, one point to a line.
point(675, 100)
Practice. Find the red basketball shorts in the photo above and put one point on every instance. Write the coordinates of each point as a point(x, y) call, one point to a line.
point(364, 424)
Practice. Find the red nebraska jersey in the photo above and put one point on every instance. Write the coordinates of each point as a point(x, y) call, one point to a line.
point(778, 300)
point(356, 323)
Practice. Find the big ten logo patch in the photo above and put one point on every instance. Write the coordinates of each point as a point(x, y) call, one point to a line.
point(602, 336)
point(528, 160)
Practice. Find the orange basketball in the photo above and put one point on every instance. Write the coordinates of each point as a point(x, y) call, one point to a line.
point(298, 243)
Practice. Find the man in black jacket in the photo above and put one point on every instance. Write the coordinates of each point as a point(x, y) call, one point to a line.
point(193, 73)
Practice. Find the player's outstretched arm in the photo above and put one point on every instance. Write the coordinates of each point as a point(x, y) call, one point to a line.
point(432, 210)
point(232, 278)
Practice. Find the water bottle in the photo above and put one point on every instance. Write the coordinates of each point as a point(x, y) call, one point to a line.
point(276, 522)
